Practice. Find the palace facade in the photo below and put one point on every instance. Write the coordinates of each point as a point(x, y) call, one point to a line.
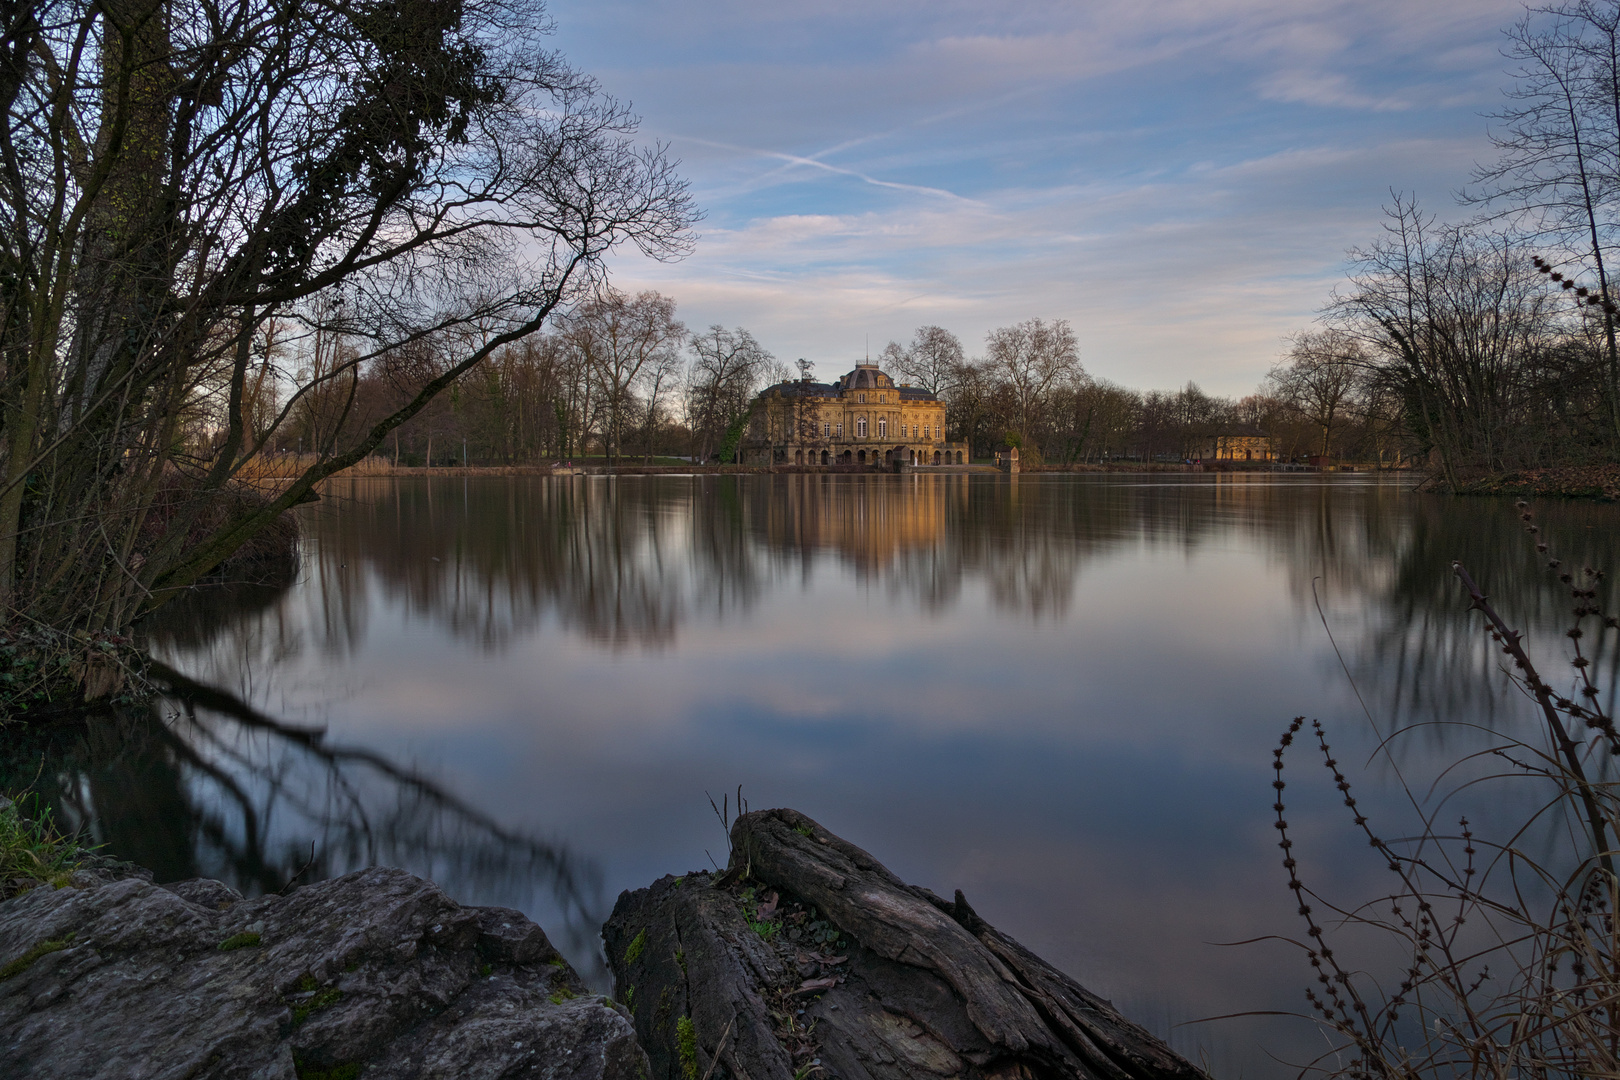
point(1238, 448)
point(862, 419)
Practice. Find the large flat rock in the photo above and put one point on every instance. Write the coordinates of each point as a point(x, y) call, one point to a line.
point(375, 974)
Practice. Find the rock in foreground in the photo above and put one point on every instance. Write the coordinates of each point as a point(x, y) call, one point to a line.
point(376, 974)
point(808, 960)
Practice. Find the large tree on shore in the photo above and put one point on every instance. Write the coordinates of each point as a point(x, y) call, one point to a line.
point(623, 342)
point(932, 360)
point(1458, 322)
point(1032, 359)
point(1320, 378)
point(727, 366)
point(177, 175)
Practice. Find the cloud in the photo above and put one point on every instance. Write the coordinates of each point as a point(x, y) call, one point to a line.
point(1325, 89)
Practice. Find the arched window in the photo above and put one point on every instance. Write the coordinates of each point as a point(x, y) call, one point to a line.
point(883, 429)
point(860, 428)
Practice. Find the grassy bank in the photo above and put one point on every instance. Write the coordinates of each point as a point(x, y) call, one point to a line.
point(1572, 482)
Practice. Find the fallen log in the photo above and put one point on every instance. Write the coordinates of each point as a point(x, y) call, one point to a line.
point(808, 960)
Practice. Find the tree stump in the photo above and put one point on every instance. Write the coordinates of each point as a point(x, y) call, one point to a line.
point(808, 960)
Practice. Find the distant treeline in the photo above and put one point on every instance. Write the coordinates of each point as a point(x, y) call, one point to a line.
point(1449, 348)
point(621, 377)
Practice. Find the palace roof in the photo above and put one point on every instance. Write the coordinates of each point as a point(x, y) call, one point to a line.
point(864, 377)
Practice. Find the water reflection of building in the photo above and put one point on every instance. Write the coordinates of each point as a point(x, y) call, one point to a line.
point(867, 522)
point(862, 419)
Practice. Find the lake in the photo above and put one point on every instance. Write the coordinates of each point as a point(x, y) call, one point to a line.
point(1057, 693)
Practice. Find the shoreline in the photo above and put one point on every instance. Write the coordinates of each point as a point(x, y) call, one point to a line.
point(598, 469)
point(1599, 483)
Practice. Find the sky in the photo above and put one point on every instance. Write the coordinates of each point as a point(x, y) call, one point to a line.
point(1180, 179)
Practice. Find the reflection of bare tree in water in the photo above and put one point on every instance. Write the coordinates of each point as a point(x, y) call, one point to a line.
point(1028, 541)
point(1381, 561)
point(205, 785)
point(491, 560)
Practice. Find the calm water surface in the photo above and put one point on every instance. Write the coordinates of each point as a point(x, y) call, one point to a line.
point(1056, 693)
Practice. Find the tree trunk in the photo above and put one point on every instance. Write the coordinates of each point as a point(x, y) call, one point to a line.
point(894, 983)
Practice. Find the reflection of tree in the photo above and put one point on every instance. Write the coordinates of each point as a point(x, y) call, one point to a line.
point(490, 560)
point(627, 562)
point(1382, 557)
point(1028, 539)
point(206, 785)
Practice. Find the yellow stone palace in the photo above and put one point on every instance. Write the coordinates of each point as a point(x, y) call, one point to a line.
point(862, 419)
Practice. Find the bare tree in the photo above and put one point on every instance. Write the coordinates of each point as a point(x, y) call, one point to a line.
point(1457, 319)
point(1558, 175)
point(1033, 358)
point(932, 360)
point(727, 366)
point(658, 382)
point(1320, 378)
point(620, 341)
point(175, 175)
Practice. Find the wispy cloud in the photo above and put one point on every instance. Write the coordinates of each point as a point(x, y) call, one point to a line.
point(1326, 89)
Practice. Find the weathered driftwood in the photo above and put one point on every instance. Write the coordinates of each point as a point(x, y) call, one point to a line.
point(808, 960)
